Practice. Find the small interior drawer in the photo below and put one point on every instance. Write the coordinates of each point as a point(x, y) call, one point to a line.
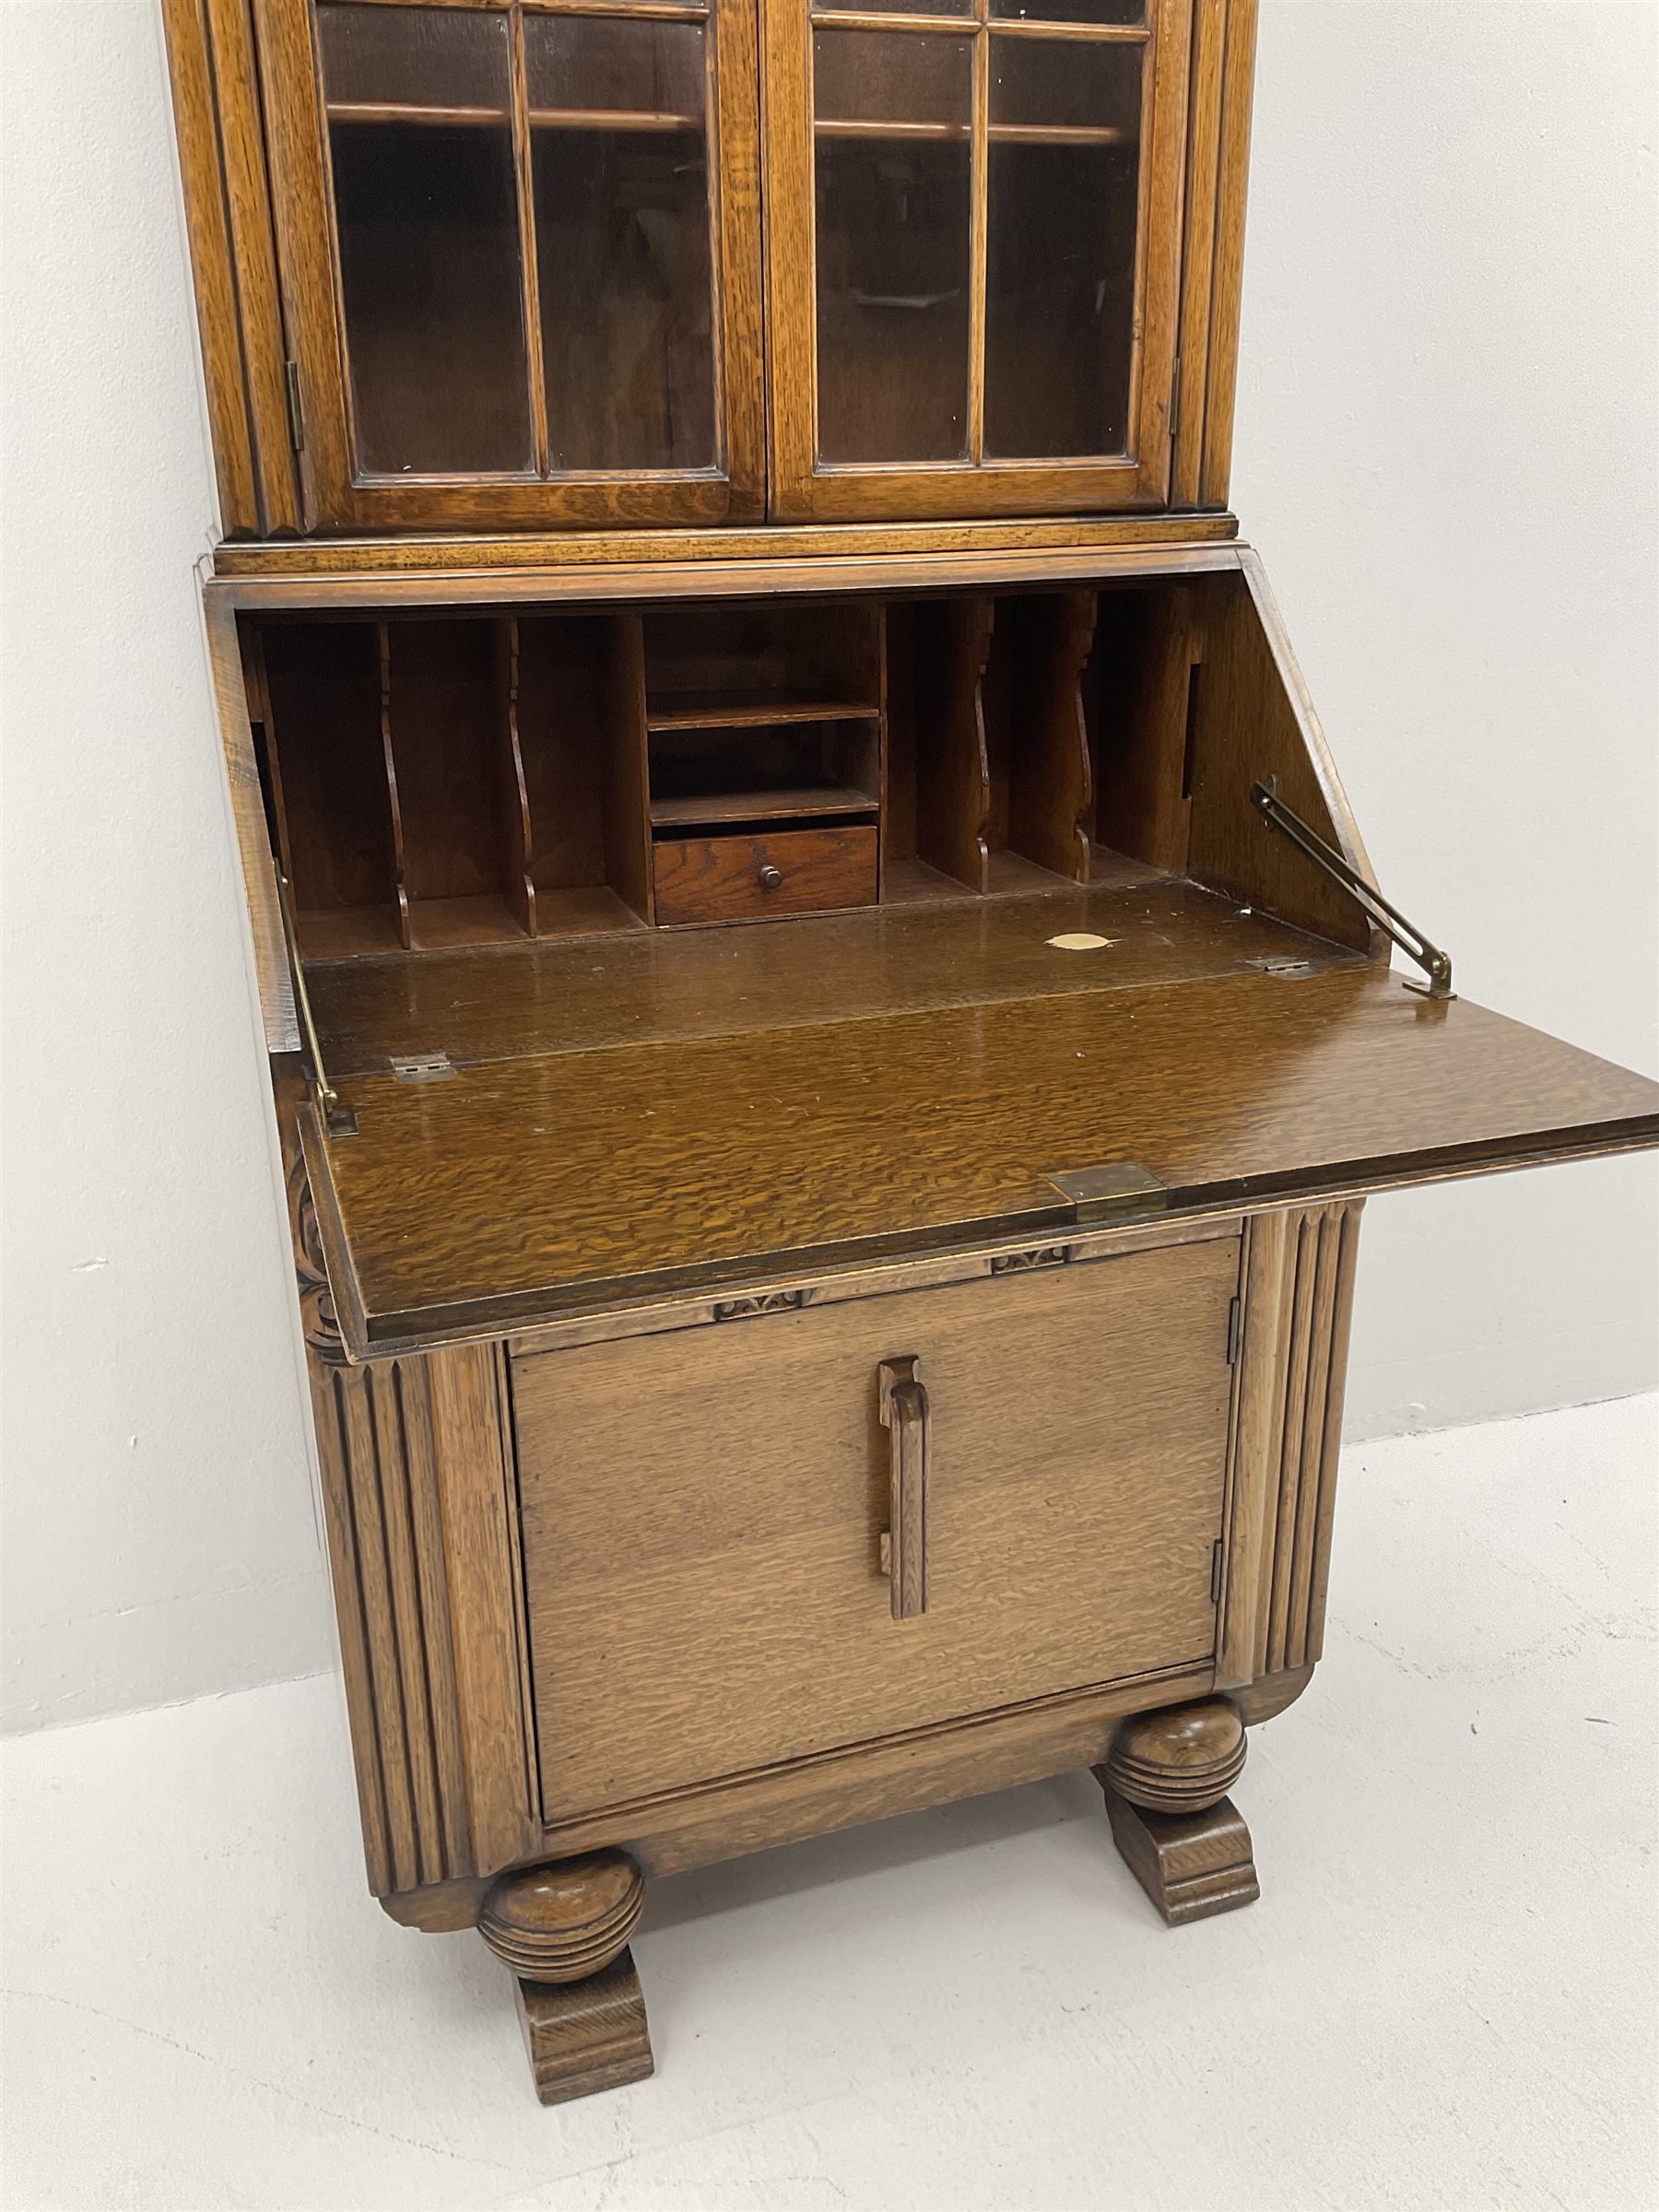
point(750, 874)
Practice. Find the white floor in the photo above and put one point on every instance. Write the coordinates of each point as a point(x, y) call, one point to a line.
point(1445, 1999)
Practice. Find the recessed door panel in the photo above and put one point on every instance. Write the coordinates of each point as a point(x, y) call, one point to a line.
point(703, 1516)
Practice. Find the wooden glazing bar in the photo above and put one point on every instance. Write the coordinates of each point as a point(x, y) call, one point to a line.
point(1114, 34)
point(1097, 34)
point(649, 11)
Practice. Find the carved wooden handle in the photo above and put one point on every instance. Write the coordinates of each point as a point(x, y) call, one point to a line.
point(904, 1546)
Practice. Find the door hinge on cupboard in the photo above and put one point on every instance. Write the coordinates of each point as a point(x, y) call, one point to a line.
point(1235, 1322)
point(1174, 396)
point(290, 384)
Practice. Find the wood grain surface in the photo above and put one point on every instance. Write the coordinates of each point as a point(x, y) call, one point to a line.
point(701, 1518)
point(1298, 1299)
point(522, 1186)
point(749, 876)
point(647, 988)
point(501, 554)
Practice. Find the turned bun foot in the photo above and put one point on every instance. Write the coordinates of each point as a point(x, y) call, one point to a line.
point(1181, 1760)
point(1166, 1780)
point(564, 1930)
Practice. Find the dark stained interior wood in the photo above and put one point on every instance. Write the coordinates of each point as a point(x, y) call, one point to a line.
point(947, 950)
point(321, 730)
point(523, 1186)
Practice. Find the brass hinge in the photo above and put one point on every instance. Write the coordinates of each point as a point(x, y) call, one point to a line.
point(1280, 963)
point(290, 378)
point(1175, 396)
point(1123, 1187)
point(421, 1067)
point(1436, 965)
point(1216, 1573)
point(1235, 1329)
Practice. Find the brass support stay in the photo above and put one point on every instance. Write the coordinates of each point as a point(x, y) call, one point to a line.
point(1436, 965)
point(338, 1119)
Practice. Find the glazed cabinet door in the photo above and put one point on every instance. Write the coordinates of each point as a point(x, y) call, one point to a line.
point(520, 251)
point(973, 219)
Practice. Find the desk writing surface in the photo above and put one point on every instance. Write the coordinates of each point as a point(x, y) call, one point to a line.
point(523, 1187)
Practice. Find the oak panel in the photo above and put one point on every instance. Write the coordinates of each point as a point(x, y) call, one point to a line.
point(954, 950)
point(521, 1184)
point(701, 1518)
point(745, 878)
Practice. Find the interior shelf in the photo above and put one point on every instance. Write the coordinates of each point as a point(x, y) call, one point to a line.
point(726, 806)
point(611, 118)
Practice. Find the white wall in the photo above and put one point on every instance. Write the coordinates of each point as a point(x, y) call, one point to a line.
point(156, 1511)
point(1445, 451)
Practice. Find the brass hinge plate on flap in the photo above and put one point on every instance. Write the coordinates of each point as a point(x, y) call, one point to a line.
point(421, 1067)
point(1436, 965)
point(1123, 1187)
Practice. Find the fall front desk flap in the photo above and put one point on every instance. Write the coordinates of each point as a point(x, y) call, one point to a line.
point(522, 1188)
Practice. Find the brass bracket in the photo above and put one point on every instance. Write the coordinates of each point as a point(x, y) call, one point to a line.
point(1436, 965)
point(338, 1119)
point(1123, 1187)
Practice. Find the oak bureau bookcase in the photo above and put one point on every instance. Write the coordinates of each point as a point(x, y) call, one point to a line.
point(830, 1020)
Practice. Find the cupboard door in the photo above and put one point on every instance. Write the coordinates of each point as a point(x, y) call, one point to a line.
point(519, 240)
point(703, 1513)
point(974, 253)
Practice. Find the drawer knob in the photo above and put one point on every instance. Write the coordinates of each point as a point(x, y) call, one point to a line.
point(769, 877)
point(904, 1415)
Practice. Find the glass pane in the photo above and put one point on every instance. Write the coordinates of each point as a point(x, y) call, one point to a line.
point(895, 77)
point(606, 64)
point(434, 57)
point(1059, 299)
point(427, 212)
point(1071, 11)
point(1069, 84)
point(624, 264)
point(1062, 207)
point(894, 201)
